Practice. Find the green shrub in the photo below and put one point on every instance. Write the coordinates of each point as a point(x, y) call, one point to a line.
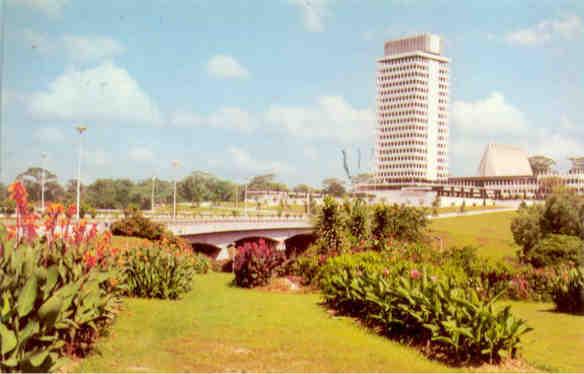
point(162, 271)
point(556, 249)
point(49, 309)
point(421, 306)
point(136, 224)
point(329, 227)
point(255, 263)
point(399, 222)
point(201, 263)
point(562, 214)
point(357, 222)
point(568, 291)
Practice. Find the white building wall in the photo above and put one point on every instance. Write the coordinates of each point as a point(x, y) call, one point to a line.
point(432, 123)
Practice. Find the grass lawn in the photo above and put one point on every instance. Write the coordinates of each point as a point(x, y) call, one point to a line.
point(490, 232)
point(217, 327)
point(456, 209)
point(557, 342)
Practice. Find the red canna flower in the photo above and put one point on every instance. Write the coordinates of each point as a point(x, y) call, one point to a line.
point(415, 274)
point(71, 211)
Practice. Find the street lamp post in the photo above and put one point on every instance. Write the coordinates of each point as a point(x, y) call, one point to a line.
point(43, 158)
point(152, 197)
point(175, 164)
point(245, 200)
point(80, 129)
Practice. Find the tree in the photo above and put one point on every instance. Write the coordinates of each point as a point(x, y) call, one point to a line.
point(303, 188)
point(541, 164)
point(362, 178)
point(32, 179)
point(562, 214)
point(526, 228)
point(266, 182)
point(333, 187)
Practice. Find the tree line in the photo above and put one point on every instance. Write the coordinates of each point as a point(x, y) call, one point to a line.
point(120, 193)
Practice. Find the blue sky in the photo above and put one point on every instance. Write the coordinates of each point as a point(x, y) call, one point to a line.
point(240, 88)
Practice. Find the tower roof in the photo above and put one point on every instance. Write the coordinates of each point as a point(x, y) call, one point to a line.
point(501, 160)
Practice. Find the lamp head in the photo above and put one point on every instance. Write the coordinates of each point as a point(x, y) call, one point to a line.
point(81, 128)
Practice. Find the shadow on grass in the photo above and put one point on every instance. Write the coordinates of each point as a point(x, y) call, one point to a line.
point(560, 312)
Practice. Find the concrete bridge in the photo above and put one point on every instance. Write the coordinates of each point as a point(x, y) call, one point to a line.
point(215, 236)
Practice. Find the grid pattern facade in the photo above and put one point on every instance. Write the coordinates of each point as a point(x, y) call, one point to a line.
point(412, 112)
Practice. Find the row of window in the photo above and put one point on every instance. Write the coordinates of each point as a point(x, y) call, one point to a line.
point(404, 91)
point(402, 142)
point(408, 98)
point(403, 165)
point(403, 113)
point(413, 74)
point(411, 59)
point(399, 150)
point(402, 83)
point(403, 120)
point(404, 105)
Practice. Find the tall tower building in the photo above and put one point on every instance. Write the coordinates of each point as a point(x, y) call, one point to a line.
point(412, 112)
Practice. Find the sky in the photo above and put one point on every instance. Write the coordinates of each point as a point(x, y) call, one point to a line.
point(241, 88)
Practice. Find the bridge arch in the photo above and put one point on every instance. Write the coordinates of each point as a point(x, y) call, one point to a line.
point(207, 249)
point(299, 243)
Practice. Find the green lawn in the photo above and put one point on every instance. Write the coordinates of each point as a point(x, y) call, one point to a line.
point(217, 327)
point(456, 209)
point(557, 343)
point(490, 232)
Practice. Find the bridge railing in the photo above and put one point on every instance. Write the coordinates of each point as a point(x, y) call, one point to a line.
point(226, 220)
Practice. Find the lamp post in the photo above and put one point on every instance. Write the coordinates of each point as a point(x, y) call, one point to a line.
point(43, 158)
point(80, 129)
point(175, 164)
point(245, 199)
point(152, 197)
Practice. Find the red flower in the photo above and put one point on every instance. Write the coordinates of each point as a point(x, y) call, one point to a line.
point(415, 274)
point(71, 211)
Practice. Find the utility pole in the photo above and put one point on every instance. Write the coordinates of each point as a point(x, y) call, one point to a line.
point(80, 129)
point(245, 200)
point(175, 163)
point(152, 197)
point(43, 158)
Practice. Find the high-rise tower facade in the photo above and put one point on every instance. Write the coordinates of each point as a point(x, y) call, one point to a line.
point(412, 112)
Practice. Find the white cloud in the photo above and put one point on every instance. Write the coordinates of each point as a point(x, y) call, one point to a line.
point(568, 27)
point(40, 42)
point(105, 93)
point(332, 117)
point(223, 66)
point(51, 8)
point(97, 157)
point(141, 154)
point(311, 153)
point(313, 13)
point(91, 48)
point(49, 135)
point(78, 48)
point(243, 161)
point(226, 118)
point(488, 116)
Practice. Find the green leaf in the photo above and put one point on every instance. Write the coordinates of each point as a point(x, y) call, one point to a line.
point(37, 359)
point(27, 297)
point(49, 311)
point(31, 328)
point(8, 339)
point(6, 305)
point(52, 277)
